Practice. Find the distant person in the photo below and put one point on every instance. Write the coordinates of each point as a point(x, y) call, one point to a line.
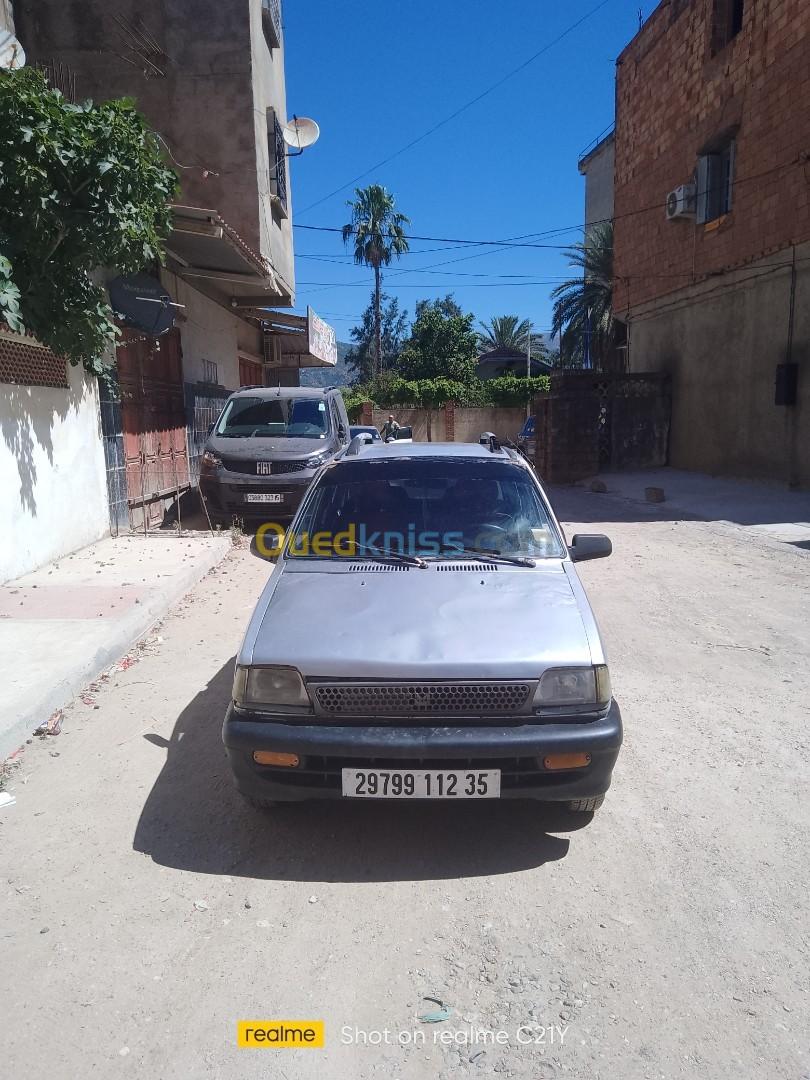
point(389, 429)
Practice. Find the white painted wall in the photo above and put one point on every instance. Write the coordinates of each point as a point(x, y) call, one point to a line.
point(6, 16)
point(209, 331)
point(269, 92)
point(53, 490)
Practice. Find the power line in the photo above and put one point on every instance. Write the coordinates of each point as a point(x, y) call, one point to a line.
point(801, 158)
point(463, 108)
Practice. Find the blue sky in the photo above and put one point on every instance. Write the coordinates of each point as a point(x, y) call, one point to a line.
point(376, 74)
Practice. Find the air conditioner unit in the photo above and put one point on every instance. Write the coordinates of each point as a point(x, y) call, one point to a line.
point(682, 202)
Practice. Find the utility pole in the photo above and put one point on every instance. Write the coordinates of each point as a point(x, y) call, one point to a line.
point(528, 370)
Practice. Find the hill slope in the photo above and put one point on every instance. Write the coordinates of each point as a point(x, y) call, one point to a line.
point(336, 376)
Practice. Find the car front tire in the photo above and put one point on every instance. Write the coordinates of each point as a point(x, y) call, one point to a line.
point(586, 806)
point(260, 804)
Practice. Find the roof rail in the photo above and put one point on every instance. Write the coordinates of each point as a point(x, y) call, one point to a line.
point(490, 440)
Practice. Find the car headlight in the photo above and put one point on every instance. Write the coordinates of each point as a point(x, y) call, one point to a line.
point(319, 459)
point(269, 686)
point(210, 462)
point(574, 686)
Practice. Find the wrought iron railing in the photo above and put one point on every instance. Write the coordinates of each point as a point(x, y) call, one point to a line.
point(271, 17)
point(278, 173)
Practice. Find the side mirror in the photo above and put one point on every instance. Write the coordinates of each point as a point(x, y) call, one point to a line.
point(586, 546)
point(341, 433)
point(266, 546)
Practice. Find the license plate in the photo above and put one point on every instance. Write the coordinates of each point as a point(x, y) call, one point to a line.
point(264, 498)
point(421, 784)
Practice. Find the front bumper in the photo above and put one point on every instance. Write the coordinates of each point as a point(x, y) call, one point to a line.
point(516, 749)
point(225, 492)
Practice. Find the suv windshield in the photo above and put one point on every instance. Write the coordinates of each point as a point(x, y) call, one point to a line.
point(276, 417)
point(426, 506)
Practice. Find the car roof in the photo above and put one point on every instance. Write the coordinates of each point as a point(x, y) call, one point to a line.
point(314, 392)
point(387, 451)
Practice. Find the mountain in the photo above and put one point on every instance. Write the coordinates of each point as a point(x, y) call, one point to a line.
point(336, 376)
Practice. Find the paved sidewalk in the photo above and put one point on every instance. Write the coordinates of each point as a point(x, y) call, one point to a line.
point(759, 508)
point(62, 625)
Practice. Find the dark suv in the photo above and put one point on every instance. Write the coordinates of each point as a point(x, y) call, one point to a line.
point(266, 447)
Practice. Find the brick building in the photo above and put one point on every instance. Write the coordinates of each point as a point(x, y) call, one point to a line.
point(712, 228)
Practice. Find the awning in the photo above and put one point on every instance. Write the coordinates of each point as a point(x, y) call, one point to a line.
point(209, 249)
point(297, 341)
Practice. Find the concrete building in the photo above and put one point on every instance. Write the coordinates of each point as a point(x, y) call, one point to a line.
point(712, 228)
point(596, 165)
point(209, 78)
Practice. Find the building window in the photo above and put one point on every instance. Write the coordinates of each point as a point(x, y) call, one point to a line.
point(727, 22)
point(715, 182)
point(271, 22)
point(277, 156)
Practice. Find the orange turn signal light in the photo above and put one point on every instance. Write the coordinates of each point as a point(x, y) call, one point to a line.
point(271, 757)
point(566, 761)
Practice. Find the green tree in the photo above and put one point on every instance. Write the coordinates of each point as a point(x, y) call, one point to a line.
point(377, 230)
point(393, 328)
point(81, 187)
point(583, 306)
point(509, 332)
point(442, 344)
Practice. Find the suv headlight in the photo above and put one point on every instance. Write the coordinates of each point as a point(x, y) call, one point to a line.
point(269, 686)
point(319, 459)
point(574, 686)
point(210, 462)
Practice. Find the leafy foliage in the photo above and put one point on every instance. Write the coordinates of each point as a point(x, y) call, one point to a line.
point(394, 327)
point(378, 232)
point(81, 187)
point(510, 332)
point(442, 344)
point(583, 306)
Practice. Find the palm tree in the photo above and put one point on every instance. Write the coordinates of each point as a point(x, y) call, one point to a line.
point(504, 331)
point(509, 332)
point(378, 234)
point(583, 306)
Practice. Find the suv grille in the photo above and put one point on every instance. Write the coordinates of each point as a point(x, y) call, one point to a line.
point(249, 467)
point(421, 699)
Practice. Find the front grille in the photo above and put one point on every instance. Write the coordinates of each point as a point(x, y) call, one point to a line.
point(421, 698)
point(251, 467)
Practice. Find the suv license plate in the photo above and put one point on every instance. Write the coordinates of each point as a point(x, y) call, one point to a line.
point(264, 498)
point(421, 784)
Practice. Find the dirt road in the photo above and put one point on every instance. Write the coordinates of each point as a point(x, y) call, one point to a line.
point(146, 910)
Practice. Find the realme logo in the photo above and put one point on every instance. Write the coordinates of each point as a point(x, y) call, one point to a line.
point(280, 1034)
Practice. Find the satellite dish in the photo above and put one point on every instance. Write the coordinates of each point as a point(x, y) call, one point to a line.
point(12, 54)
point(141, 301)
point(300, 132)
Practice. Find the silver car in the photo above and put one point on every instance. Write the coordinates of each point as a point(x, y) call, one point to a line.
point(424, 635)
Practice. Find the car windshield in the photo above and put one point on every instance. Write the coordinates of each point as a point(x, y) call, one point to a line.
point(275, 417)
point(431, 507)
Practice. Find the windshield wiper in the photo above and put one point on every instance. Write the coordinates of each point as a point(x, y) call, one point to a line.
point(387, 553)
point(492, 555)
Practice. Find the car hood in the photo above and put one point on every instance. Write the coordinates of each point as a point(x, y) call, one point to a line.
point(257, 449)
point(389, 622)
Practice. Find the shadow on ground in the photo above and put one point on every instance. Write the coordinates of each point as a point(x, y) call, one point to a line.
point(194, 819)
point(577, 504)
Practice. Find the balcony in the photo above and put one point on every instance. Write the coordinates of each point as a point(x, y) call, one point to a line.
point(271, 22)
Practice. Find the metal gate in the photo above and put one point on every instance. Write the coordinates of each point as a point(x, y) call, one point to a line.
point(150, 376)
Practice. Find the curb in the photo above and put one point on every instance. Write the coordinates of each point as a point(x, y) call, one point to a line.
point(122, 637)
